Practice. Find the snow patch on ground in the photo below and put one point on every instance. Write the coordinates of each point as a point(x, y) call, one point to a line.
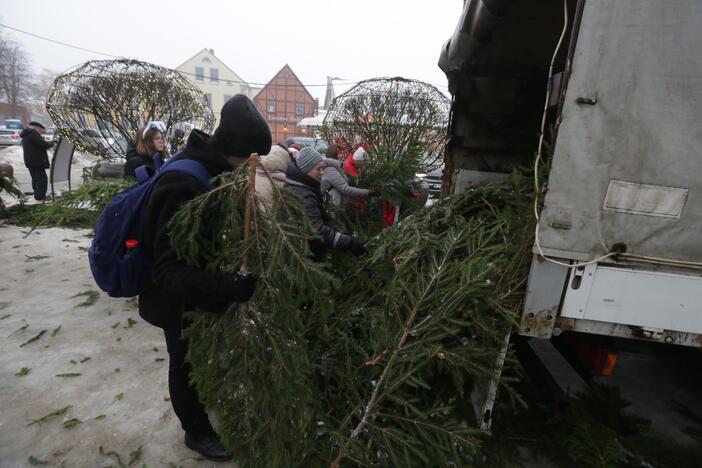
point(106, 342)
point(13, 155)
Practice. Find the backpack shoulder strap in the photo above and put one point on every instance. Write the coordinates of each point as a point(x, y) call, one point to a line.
point(190, 167)
point(142, 174)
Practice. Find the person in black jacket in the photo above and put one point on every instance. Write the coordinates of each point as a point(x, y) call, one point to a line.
point(178, 287)
point(134, 160)
point(177, 141)
point(36, 158)
point(302, 179)
point(148, 149)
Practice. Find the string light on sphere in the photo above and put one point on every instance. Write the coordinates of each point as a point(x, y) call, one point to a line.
point(100, 105)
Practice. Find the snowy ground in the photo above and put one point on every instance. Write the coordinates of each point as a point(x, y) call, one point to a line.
point(116, 364)
point(13, 155)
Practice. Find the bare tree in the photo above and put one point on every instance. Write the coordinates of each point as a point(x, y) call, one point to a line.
point(15, 72)
point(42, 84)
point(38, 94)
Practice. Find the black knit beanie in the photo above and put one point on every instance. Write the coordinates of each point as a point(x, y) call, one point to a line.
point(242, 129)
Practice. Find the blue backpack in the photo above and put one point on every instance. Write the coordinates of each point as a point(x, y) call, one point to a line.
point(118, 261)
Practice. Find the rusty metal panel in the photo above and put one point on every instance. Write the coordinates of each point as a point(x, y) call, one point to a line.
point(543, 298)
point(658, 335)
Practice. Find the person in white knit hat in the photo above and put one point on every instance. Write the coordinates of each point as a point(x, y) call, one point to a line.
point(355, 164)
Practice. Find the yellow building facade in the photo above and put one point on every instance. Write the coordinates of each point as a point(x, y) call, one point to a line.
point(215, 79)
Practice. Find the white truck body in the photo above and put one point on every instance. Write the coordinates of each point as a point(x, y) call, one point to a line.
point(626, 168)
point(626, 174)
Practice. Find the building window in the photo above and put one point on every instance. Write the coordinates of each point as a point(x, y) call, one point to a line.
point(206, 60)
point(199, 74)
point(214, 75)
point(271, 107)
point(299, 108)
point(227, 97)
point(208, 96)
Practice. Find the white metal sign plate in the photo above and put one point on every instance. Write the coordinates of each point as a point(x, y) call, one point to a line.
point(647, 299)
point(643, 199)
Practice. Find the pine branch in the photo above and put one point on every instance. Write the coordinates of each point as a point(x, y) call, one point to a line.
point(376, 396)
point(465, 441)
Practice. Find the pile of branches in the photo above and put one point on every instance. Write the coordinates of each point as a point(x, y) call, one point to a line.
point(367, 361)
point(9, 185)
point(79, 208)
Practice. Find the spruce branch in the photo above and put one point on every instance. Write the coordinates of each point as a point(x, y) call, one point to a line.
point(376, 396)
point(250, 204)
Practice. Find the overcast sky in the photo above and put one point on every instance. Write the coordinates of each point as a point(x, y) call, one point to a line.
point(353, 40)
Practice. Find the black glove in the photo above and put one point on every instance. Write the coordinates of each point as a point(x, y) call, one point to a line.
point(242, 286)
point(357, 248)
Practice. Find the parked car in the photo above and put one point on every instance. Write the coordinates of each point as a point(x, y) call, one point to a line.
point(107, 170)
point(13, 124)
point(432, 181)
point(9, 137)
point(97, 139)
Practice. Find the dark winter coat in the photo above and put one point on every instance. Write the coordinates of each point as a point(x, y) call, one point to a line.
point(178, 287)
point(135, 160)
point(307, 189)
point(34, 148)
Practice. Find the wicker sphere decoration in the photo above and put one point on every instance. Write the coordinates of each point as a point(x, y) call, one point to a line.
point(391, 116)
point(100, 104)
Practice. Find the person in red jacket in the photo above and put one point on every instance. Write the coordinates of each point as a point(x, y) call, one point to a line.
point(353, 166)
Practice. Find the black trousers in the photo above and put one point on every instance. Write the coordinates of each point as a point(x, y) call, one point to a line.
point(40, 182)
point(184, 397)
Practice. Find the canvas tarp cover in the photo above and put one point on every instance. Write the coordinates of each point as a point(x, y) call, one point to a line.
point(628, 167)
